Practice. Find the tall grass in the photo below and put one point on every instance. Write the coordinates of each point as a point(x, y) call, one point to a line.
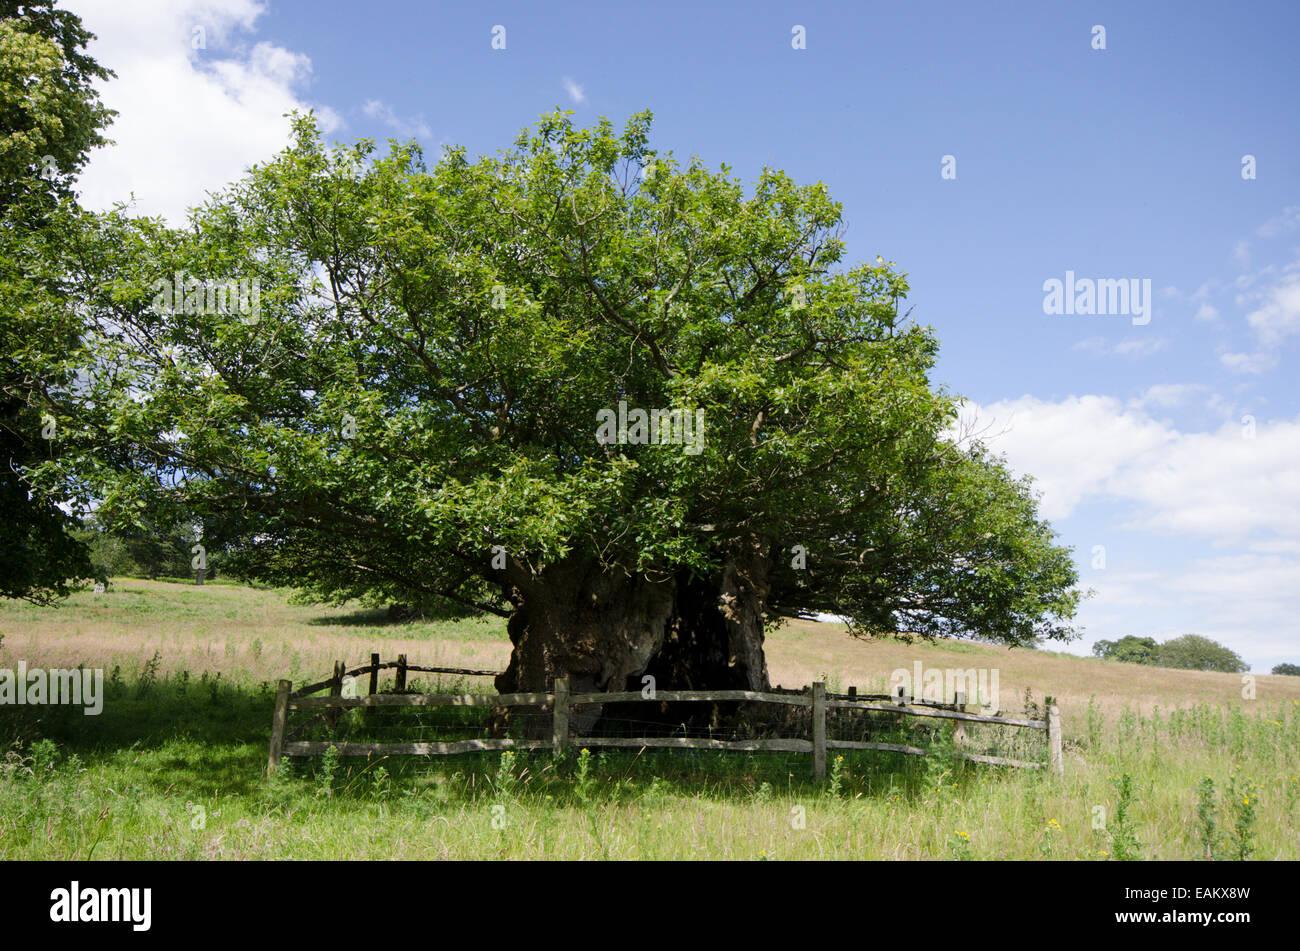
point(1159, 766)
point(173, 768)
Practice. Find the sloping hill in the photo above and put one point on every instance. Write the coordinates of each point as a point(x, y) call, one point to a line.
point(255, 634)
point(803, 651)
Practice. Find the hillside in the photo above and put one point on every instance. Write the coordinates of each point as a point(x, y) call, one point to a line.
point(175, 765)
point(254, 634)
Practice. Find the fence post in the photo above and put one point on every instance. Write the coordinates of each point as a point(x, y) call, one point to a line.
point(904, 697)
point(560, 716)
point(400, 685)
point(1054, 756)
point(374, 683)
point(278, 719)
point(959, 726)
point(819, 729)
point(336, 690)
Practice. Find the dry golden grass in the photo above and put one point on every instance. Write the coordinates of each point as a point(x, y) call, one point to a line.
point(803, 651)
point(240, 632)
point(255, 634)
point(122, 785)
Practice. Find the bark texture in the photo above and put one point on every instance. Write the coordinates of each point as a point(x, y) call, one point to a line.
point(605, 631)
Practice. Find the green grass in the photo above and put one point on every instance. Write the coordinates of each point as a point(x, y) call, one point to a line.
point(174, 766)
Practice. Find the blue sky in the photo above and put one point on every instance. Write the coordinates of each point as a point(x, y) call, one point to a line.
point(1174, 445)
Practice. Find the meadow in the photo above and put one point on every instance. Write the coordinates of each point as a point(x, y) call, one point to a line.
point(1159, 764)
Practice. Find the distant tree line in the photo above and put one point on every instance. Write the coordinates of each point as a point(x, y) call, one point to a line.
point(1189, 652)
point(150, 549)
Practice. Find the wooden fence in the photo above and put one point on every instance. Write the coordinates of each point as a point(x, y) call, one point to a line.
point(562, 703)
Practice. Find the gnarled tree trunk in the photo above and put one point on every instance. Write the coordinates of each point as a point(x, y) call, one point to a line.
point(574, 619)
point(605, 631)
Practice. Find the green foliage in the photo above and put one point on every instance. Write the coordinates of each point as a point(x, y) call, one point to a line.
point(48, 104)
point(44, 757)
point(381, 786)
point(1129, 649)
point(39, 557)
point(1207, 811)
point(1291, 670)
point(585, 785)
point(50, 118)
point(433, 346)
point(1047, 844)
point(1242, 796)
point(148, 548)
point(1123, 837)
point(1096, 722)
point(1189, 652)
point(959, 846)
point(839, 772)
point(1193, 652)
point(149, 675)
point(108, 554)
point(329, 767)
point(506, 780)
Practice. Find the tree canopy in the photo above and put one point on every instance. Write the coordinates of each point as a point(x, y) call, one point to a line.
point(1189, 652)
point(1129, 649)
point(1194, 652)
point(50, 118)
point(371, 377)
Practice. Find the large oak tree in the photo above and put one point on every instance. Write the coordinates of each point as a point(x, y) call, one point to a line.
point(413, 408)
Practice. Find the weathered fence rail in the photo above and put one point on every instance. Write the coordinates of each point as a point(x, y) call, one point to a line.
point(374, 667)
point(562, 703)
point(337, 682)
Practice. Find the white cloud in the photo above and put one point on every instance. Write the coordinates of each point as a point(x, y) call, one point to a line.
point(1245, 601)
point(1207, 312)
point(1140, 346)
point(1241, 254)
point(1231, 488)
point(1246, 280)
point(1279, 315)
point(1168, 395)
point(405, 128)
point(190, 120)
point(1221, 484)
point(1073, 449)
point(1288, 220)
point(1253, 363)
point(574, 90)
point(1127, 347)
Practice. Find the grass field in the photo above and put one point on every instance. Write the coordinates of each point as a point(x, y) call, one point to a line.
point(174, 766)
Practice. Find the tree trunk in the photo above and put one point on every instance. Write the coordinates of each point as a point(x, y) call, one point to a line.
point(714, 642)
point(606, 630)
point(573, 619)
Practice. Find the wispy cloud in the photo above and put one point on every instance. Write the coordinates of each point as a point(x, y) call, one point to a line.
point(1288, 220)
point(1253, 363)
point(1127, 347)
point(1278, 316)
point(1168, 395)
point(406, 128)
point(1241, 254)
point(574, 90)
